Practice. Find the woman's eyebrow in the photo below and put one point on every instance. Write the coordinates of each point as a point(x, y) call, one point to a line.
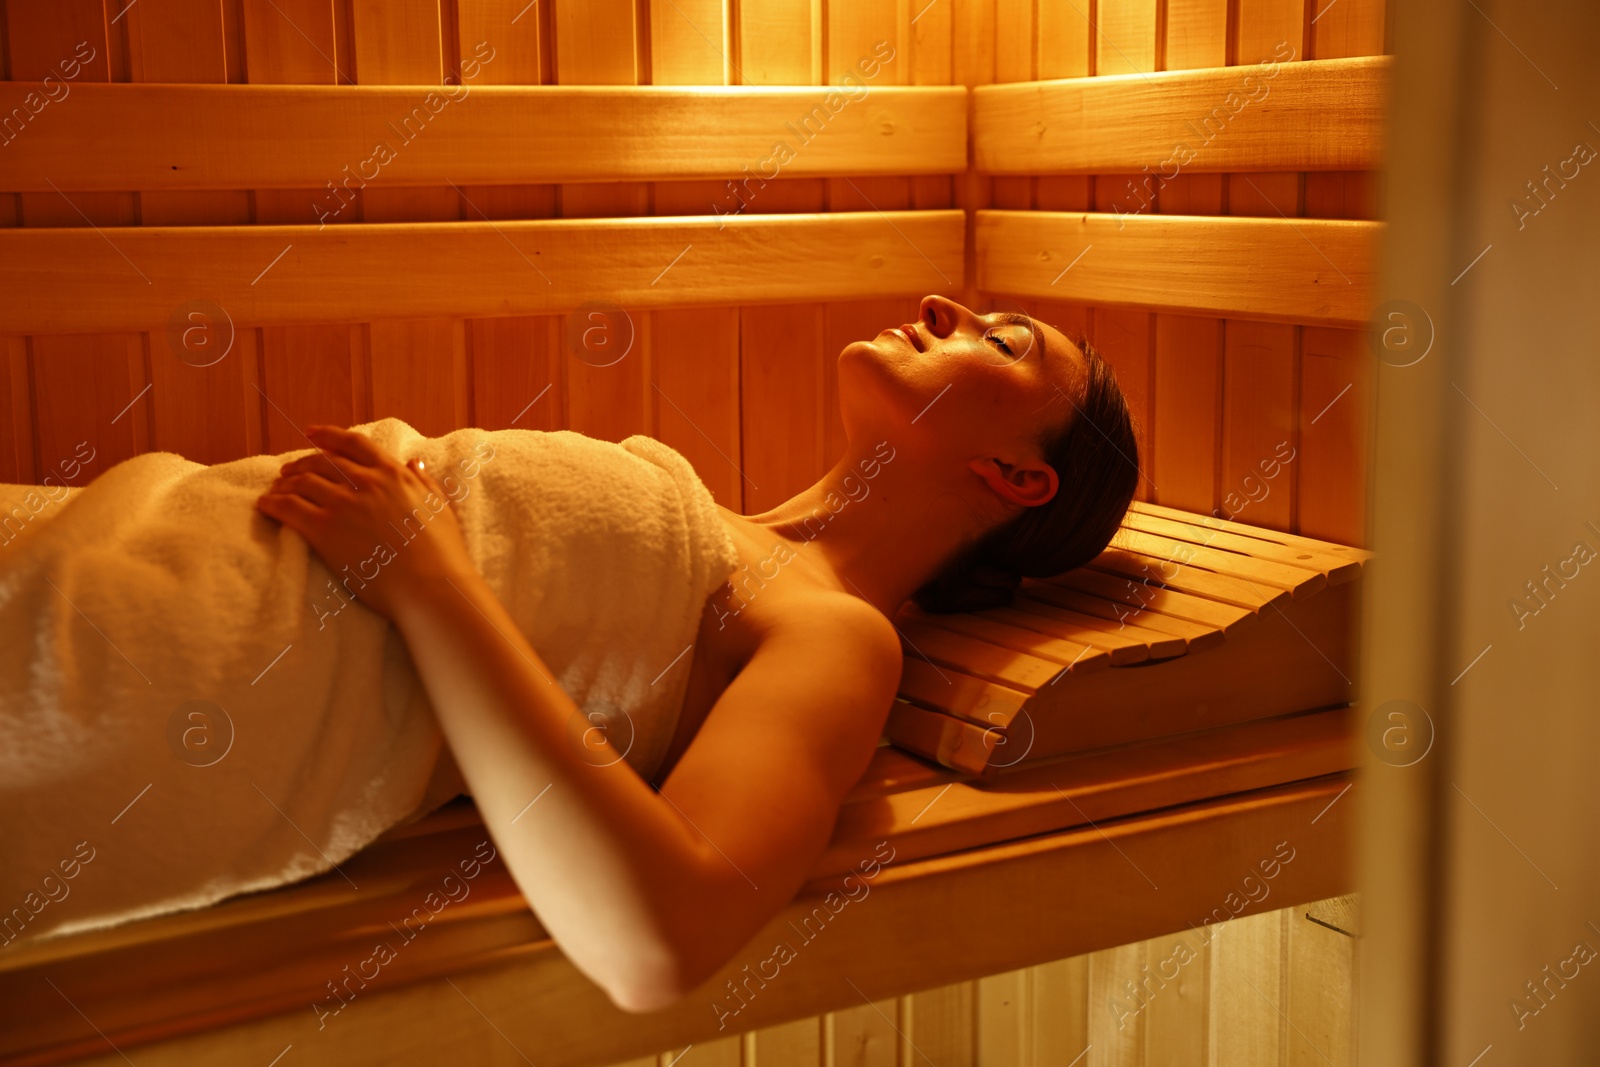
point(1017, 318)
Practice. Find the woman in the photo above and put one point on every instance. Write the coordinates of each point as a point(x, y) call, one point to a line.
point(1012, 453)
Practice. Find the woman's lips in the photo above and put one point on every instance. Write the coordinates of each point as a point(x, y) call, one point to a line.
point(905, 335)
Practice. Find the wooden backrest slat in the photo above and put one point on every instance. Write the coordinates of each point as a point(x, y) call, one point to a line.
point(1127, 645)
point(954, 741)
point(1259, 533)
point(1187, 578)
point(1334, 567)
point(1298, 580)
point(1011, 667)
point(990, 626)
point(1076, 626)
point(1136, 592)
point(1195, 635)
point(956, 693)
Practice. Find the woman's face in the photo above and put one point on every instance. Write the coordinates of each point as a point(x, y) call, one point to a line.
point(956, 381)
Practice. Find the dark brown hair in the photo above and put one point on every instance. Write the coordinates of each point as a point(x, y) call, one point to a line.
point(1096, 458)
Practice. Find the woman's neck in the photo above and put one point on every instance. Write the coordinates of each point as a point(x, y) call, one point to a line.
point(873, 525)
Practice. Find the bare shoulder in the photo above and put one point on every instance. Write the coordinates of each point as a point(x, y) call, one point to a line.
point(846, 653)
point(808, 705)
point(843, 625)
point(830, 667)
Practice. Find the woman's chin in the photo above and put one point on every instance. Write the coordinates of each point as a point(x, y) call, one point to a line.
point(875, 348)
point(885, 358)
point(869, 367)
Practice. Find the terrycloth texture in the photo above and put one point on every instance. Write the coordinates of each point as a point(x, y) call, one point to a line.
point(158, 583)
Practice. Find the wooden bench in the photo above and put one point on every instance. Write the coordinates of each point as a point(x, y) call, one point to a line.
point(1132, 814)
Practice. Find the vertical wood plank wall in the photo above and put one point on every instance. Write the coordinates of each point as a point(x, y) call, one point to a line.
point(1221, 401)
point(749, 394)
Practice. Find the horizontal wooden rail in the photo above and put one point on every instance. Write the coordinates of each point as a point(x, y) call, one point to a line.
point(83, 280)
point(1322, 114)
point(120, 136)
point(1313, 271)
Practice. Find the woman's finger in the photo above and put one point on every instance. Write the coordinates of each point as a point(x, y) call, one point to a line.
point(332, 466)
point(316, 461)
point(312, 486)
point(347, 443)
point(295, 512)
point(420, 469)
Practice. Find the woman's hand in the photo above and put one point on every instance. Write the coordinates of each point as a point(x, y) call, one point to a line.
point(387, 527)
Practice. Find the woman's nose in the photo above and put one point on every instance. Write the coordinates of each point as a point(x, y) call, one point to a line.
point(942, 315)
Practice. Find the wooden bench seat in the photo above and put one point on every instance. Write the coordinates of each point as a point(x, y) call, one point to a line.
point(244, 976)
point(1145, 819)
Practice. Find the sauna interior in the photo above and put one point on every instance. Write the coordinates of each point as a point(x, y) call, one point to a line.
point(228, 219)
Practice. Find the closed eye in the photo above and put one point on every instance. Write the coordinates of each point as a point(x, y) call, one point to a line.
point(997, 338)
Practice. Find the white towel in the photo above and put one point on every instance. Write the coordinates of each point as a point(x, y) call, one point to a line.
point(159, 583)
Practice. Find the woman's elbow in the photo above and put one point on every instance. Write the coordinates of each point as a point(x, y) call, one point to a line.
point(660, 962)
point(637, 998)
point(648, 981)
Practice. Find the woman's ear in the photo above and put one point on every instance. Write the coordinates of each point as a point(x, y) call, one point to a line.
point(1030, 483)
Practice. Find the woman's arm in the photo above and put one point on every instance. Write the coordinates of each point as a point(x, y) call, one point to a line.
point(646, 893)
point(613, 872)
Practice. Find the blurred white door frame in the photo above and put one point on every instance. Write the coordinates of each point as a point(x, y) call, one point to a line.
point(1479, 856)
